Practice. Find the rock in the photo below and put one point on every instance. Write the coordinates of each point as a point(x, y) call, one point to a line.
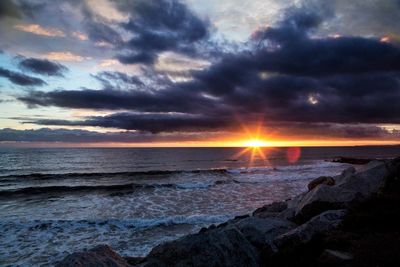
point(99, 256)
point(270, 210)
point(261, 232)
point(287, 214)
point(334, 257)
point(349, 171)
point(292, 204)
point(344, 175)
point(321, 180)
point(134, 260)
point(351, 160)
point(225, 246)
point(351, 189)
point(305, 232)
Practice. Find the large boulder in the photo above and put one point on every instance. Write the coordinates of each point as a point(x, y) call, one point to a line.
point(225, 246)
point(326, 180)
point(271, 210)
point(349, 190)
point(261, 232)
point(100, 256)
point(344, 175)
point(292, 204)
point(305, 232)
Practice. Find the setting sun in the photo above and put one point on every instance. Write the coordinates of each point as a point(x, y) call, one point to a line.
point(255, 143)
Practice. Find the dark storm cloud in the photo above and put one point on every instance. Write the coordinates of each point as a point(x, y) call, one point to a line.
point(176, 100)
point(99, 32)
point(84, 136)
point(8, 9)
point(153, 123)
point(289, 49)
point(21, 79)
point(107, 78)
point(42, 66)
point(289, 75)
point(64, 135)
point(158, 26)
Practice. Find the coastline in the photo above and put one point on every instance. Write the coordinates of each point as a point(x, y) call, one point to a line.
point(274, 230)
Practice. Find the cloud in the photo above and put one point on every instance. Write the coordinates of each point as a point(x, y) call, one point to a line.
point(21, 79)
point(101, 32)
point(79, 35)
point(8, 9)
point(335, 72)
point(176, 100)
point(108, 62)
point(118, 79)
point(154, 123)
point(40, 30)
point(159, 26)
point(65, 135)
point(287, 73)
point(84, 136)
point(65, 56)
point(42, 66)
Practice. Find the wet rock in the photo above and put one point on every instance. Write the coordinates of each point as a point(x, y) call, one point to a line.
point(287, 214)
point(334, 257)
point(344, 175)
point(134, 260)
point(292, 204)
point(351, 160)
point(305, 232)
point(270, 210)
point(326, 180)
point(99, 256)
point(352, 189)
point(261, 232)
point(225, 246)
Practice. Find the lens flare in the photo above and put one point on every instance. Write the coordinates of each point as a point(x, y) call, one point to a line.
point(293, 154)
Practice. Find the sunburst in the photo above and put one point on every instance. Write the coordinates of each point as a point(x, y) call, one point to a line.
point(255, 145)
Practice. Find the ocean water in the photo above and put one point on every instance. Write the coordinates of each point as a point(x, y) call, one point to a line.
point(57, 201)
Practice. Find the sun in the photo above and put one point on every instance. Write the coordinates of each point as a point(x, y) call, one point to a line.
point(255, 143)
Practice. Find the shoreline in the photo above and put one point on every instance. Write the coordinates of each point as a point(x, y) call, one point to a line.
point(259, 238)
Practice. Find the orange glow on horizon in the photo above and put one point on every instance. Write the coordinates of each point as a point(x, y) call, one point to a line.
point(214, 143)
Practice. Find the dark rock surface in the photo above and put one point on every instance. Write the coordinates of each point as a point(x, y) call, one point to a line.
point(271, 210)
point(333, 257)
point(349, 190)
point(326, 180)
point(305, 232)
point(100, 256)
point(356, 161)
point(261, 232)
point(225, 246)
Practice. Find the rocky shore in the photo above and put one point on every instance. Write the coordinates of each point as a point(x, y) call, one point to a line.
point(346, 220)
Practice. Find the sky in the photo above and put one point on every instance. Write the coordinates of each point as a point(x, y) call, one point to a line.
point(199, 72)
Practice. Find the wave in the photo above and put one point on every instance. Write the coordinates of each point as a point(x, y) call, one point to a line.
point(121, 223)
point(44, 176)
point(121, 188)
point(284, 168)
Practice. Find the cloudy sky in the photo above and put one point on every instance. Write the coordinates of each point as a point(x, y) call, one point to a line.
point(199, 72)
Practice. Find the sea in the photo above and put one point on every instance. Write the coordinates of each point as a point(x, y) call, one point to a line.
point(54, 201)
